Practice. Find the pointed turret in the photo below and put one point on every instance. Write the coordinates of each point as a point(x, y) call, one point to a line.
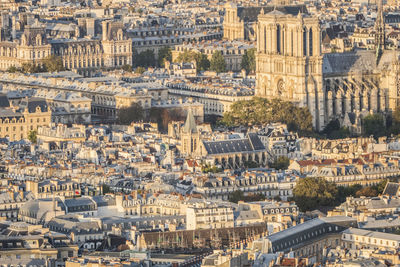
point(380, 40)
point(190, 124)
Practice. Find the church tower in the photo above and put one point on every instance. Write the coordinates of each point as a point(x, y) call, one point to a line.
point(289, 59)
point(190, 137)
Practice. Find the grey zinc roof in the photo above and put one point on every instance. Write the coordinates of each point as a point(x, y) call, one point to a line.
point(246, 215)
point(75, 202)
point(391, 189)
point(372, 234)
point(250, 14)
point(383, 204)
point(358, 61)
point(255, 141)
point(294, 230)
point(248, 144)
point(103, 201)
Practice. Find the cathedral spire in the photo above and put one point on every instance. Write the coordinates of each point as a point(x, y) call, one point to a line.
point(380, 42)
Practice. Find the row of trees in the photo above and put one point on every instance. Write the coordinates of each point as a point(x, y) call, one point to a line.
point(217, 62)
point(260, 111)
point(49, 64)
point(376, 125)
point(136, 113)
point(313, 193)
point(147, 58)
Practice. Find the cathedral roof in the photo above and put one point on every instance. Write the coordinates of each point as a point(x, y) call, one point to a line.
point(251, 143)
point(357, 61)
point(250, 14)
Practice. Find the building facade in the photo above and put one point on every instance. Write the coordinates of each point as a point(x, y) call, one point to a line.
point(290, 66)
point(84, 55)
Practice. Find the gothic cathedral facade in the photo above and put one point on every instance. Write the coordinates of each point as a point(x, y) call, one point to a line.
point(343, 86)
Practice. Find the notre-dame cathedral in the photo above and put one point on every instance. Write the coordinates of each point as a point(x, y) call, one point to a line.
point(344, 86)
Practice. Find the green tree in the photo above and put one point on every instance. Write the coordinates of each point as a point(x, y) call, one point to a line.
point(210, 169)
point(31, 68)
point(347, 191)
point(202, 62)
point(333, 130)
point(164, 54)
point(130, 114)
point(201, 59)
point(127, 68)
point(12, 69)
point(258, 111)
point(380, 186)
point(186, 56)
point(312, 192)
point(250, 164)
point(236, 196)
point(32, 136)
point(395, 125)
point(106, 189)
point(53, 63)
point(280, 163)
point(374, 124)
point(367, 192)
point(217, 62)
point(140, 70)
point(144, 59)
point(249, 60)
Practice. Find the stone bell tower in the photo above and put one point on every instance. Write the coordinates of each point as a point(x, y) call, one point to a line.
point(289, 59)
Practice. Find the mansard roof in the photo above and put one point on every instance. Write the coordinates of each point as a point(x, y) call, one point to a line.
point(250, 14)
point(391, 189)
point(33, 102)
point(249, 144)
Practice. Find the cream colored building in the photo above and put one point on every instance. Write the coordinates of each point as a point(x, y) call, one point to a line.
point(84, 55)
point(16, 124)
point(209, 216)
point(354, 238)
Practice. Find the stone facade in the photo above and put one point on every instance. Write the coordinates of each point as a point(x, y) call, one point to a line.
point(290, 66)
point(83, 55)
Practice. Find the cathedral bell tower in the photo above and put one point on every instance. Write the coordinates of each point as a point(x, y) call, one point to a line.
point(289, 59)
point(190, 137)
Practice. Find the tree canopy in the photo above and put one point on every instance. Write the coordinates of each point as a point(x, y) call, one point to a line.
point(374, 124)
point(238, 195)
point(217, 62)
point(333, 130)
point(249, 60)
point(32, 136)
point(164, 54)
point(280, 163)
point(144, 59)
point(312, 192)
point(258, 111)
point(127, 68)
point(130, 114)
point(53, 63)
point(201, 60)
